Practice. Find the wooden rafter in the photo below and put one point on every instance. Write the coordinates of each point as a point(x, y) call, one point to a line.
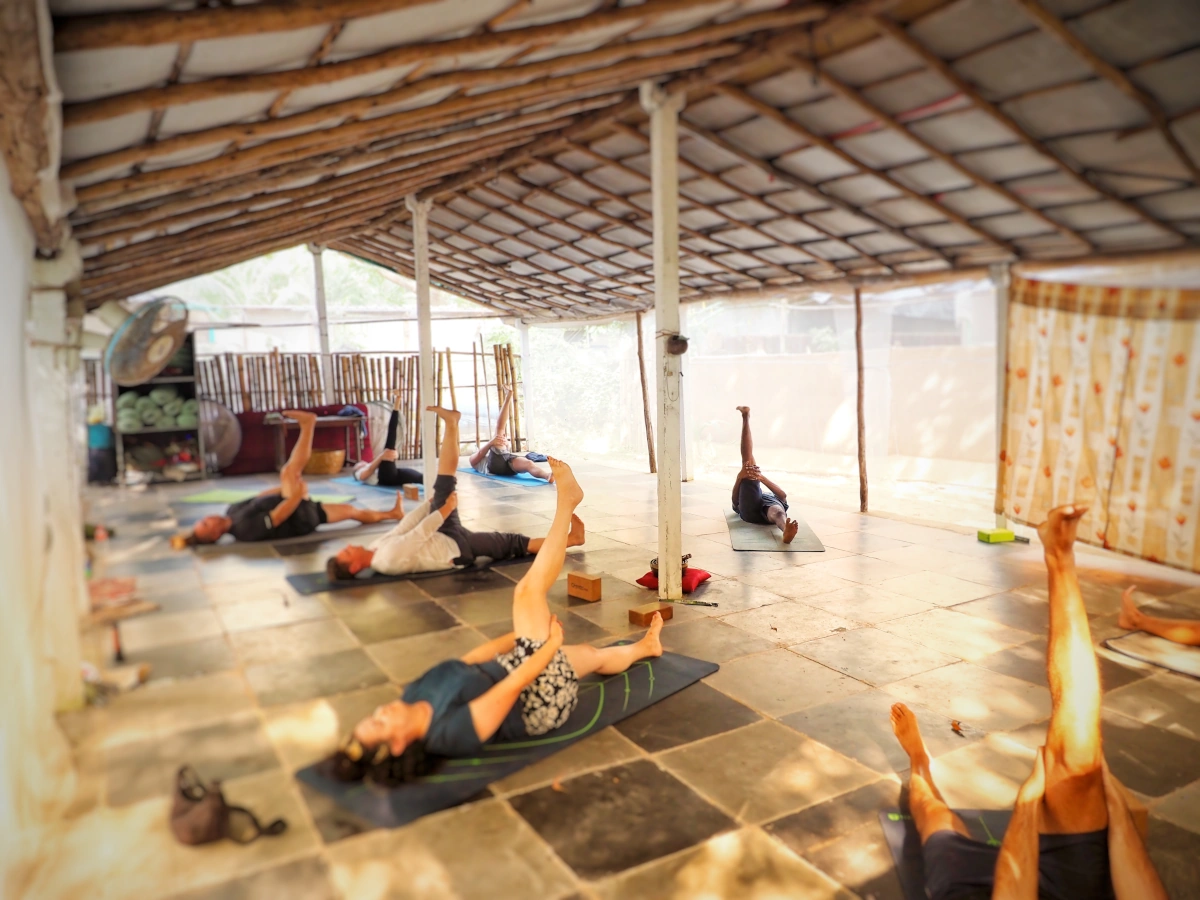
point(314, 59)
point(291, 79)
point(899, 34)
point(1057, 29)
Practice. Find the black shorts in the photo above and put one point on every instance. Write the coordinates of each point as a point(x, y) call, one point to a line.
point(499, 462)
point(471, 544)
point(308, 515)
point(753, 502)
point(1070, 866)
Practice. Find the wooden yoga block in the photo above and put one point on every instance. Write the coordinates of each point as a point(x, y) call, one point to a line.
point(642, 615)
point(583, 587)
point(412, 492)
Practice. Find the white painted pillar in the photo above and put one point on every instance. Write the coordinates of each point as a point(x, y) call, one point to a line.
point(526, 411)
point(685, 430)
point(1000, 276)
point(420, 221)
point(664, 169)
point(322, 320)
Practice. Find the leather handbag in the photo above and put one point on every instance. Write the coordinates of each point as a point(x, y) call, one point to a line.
point(200, 815)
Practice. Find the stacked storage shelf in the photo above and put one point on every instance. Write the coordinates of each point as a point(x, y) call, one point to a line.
point(158, 424)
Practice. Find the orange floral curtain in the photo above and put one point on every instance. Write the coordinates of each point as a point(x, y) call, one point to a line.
point(1102, 406)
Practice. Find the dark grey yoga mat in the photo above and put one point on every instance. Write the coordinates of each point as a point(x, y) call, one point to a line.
point(319, 583)
point(987, 826)
point(745, 536)
point(1157, 651)
point(603, 701)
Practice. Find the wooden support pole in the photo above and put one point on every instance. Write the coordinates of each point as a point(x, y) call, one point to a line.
point(645, 397)
point(420, 239)
point(475, 385)
point(862, 422)
point(487, 398)
point(664, 109)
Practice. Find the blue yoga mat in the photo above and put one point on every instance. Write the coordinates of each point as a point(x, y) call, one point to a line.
point(351, 480)
point(603, 701)
point(521, 478)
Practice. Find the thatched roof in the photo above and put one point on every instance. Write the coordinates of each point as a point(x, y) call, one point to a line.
point(819, 140)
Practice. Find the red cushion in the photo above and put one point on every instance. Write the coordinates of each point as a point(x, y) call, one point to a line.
point(692, 579)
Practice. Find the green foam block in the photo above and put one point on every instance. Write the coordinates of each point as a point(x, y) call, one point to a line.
point(227, 495)
point(995, 535)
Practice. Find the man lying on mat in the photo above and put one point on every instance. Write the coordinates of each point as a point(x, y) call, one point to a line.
point(432, 537)
point(750, 501)
point(1073, 834)
point(383, 470)
point(521, 685)
point(284, 511)
point(1181, 631)
point(493, 457)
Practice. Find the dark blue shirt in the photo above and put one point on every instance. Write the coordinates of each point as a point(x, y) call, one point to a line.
point(448, 687)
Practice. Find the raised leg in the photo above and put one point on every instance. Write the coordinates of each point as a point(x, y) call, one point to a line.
point(502, 419)
point(340, 512)
point(929, 810)
point(289, 476)
point(448, 452)
point(747, 441)
point(586, 659)
point(521, 464)
point(1074, 798)
point(393, 430)
point(531, 613)
point(1181, 631)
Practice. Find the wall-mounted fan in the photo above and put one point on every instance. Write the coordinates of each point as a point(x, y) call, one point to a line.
point(142, 342)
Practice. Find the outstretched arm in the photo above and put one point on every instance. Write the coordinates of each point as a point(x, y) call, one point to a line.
point(284, 510)
point(489, 710)
point(478, 455)
point(364, 475)
point(491, 649)
point(772, 486)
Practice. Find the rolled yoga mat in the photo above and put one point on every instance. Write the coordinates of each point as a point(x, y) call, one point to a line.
point(745, 536)
point(987, 826)
point(1158, 651)
point(603, 701)
point(319, 583)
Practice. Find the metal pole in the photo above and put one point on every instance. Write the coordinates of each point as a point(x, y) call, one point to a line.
point(664, 169)
point(862, 420)
point(1000, 276)
point(420, 224)
point(322, 323)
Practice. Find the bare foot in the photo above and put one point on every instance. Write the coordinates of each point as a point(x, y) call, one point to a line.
point(1128, 617)
point(789, 530)
point(397, 512)
point(564, 479)
point(1057, 533)
point(651, 643)
point(298, 415)
point(908, 733)
point(575, 536)
point(450, 415)
point(744, 410)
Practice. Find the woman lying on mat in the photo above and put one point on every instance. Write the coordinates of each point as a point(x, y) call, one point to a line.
point(383, 470)
point(493, 457)
point(521, 685)
point(1181, 631)
point(432, 537)
point(284, 511)
point(750, 501)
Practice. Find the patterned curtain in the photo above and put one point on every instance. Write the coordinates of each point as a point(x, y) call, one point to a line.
point(1102, 406)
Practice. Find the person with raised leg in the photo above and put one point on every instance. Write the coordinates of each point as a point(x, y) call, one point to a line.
point(382, 470)
point(493, 458)
point(520, 685)
point(1181, 631)
point(1075, 833)
point(284, 511)
point(750, 501)
point(432, 537)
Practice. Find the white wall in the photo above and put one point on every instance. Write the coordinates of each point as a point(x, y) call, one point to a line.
point(35, 774)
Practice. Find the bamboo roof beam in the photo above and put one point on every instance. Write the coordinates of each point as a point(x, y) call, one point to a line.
point(145, 28)
point(330, 120)
point(848, 93)
point(1058, 30)
point(313, 60)
point(899, 34)
point(518, 38)
point(762, 200)
point(780, 118)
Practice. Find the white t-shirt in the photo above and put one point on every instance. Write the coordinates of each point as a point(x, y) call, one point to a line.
point(415, 545)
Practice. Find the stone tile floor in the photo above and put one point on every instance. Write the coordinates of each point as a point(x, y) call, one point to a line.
point(764, 781)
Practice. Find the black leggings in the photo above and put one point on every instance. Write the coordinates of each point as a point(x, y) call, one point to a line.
point(390, 474)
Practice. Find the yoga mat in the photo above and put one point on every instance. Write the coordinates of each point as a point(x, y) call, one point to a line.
point(320, 536)
point(745, 536)
point(1158, 651)
point(902, 839)
point(522, 478)
point(603, 701)
point(319, 583)
point(351, 480)
point(228, 495)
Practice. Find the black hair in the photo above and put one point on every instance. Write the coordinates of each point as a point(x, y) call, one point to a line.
point(336, 570)
point(353, 762)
